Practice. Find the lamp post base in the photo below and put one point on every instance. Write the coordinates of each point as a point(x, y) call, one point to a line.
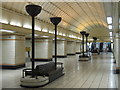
point(84, 58)
point(30, 82)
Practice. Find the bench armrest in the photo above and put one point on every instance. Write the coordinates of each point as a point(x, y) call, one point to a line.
point(25, 70)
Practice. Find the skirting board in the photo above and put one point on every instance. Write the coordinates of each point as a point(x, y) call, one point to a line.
point(116, 70)
point(60, 56)
point(78, 52)
point(71, 54)
point(43, 60)
point(12, 66)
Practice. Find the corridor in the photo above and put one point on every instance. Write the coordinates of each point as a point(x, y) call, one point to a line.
point(96, 73)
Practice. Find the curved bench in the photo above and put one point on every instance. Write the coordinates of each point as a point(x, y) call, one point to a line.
point(47, 69)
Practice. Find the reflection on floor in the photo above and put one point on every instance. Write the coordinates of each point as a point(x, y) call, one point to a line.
point(96, 73)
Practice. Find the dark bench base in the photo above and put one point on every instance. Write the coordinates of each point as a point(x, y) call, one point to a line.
point(45, 70)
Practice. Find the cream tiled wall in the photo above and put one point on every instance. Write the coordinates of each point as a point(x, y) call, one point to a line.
point(13, 50)
point(61, 48)
point(71, 47)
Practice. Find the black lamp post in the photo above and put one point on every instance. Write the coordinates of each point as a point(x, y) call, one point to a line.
point(86, 34)
point(83, 33)
point(55, 21)
point(33, 10)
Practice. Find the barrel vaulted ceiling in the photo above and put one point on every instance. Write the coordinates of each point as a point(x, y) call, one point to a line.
point(76, 16)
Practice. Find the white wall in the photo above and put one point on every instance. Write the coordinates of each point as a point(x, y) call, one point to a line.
point(71, 47)
point(13, 50)
point(61, 48)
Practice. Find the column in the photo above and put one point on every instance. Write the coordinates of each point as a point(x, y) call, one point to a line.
point(61, 48)
point(78, 47)
point(13, 51)
point(117, 50)
point(71, 47)
point(43, 50)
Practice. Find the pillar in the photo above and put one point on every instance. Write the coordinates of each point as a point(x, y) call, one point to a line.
point(71, 47)
point(117, 50)
point(13, 51)
point(61, 48)
point(78, 47)
point(43, 50)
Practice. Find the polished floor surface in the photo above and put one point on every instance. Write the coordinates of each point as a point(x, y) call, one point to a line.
point(96, 73)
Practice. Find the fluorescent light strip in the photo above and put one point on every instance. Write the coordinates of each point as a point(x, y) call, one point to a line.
point(51, 32)
point(60, 34)
point(110, 26)
point(27, 26)
point(34, 35)
point(4, 21)
point(37, 28)
point(15, 24)
point(109, 20)
point(110, 33)
point(64, 34)
point(44, 36)
point(44, 30)
point(9, 31)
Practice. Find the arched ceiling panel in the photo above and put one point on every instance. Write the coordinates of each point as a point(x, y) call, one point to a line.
point(76, 16)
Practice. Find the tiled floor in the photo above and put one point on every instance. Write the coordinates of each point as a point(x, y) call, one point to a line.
point(96, 73)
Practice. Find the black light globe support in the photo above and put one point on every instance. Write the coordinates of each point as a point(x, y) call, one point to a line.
point(33, 10)
point(55, 21)
point(83, 33)
point(86, 34)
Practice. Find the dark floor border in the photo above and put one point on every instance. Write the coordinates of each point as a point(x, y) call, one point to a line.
point(71, 54)
point(43, 60)
point(12, 66)
point(60, 56)
point(78, 52)
point(36, 88)
point(116, 71)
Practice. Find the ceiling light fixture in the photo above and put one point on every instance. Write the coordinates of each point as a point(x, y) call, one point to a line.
point(44, 36)
point(37, 28)
point(110, 34)
point(34, 35)
point(44, 30)
point(4, 21)
point(27, 26)
point(109, 20)
point(9, 31)
point(110, 26)
point(15, 24)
